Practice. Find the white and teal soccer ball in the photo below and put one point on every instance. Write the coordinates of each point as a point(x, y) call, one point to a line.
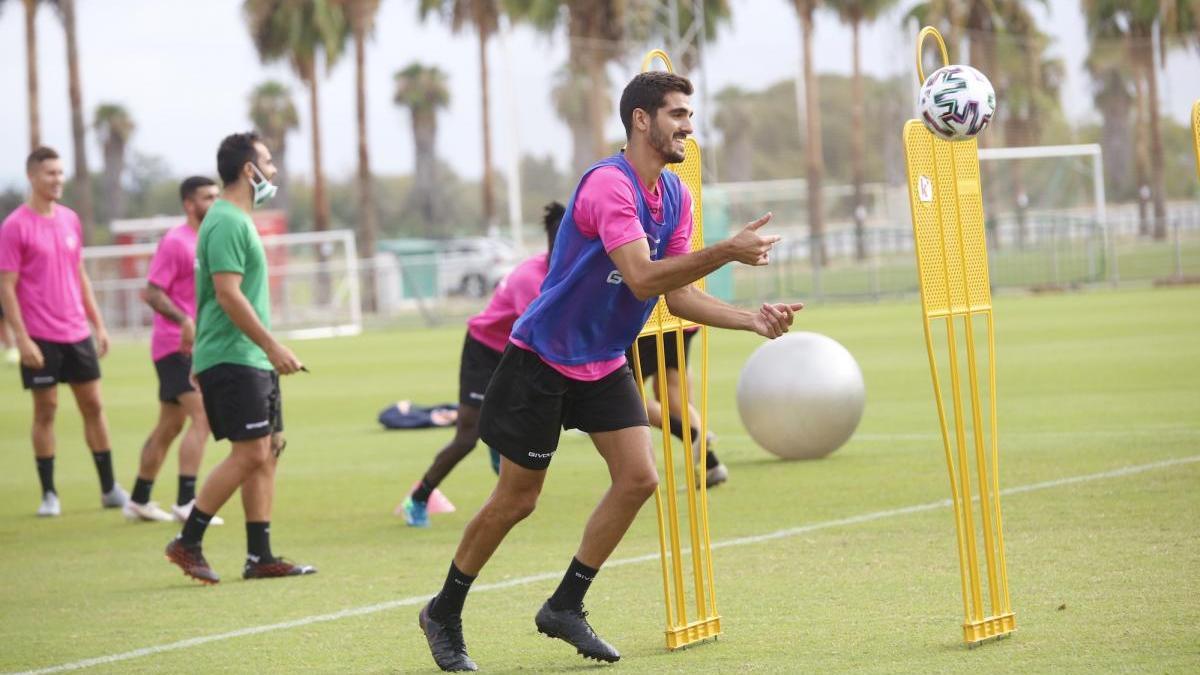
point(956, 102)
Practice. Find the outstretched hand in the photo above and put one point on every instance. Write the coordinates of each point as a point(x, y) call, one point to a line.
point(771, 321)
point(751, 248)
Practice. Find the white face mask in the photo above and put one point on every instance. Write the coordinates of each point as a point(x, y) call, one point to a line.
point(264, 190)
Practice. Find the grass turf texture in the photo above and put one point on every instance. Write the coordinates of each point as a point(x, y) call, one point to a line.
point(1104, 574)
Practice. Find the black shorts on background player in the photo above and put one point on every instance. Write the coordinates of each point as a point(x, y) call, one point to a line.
point(242, 403)
point(478, 363)
point(647, 353)
point(529, 403)
point(73, 362)
point(174, 371)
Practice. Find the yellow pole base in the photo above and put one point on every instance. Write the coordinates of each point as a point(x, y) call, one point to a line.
point(975, 632)
point(691, 633)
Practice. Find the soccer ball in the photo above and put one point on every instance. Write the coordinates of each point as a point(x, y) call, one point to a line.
point(956, 102)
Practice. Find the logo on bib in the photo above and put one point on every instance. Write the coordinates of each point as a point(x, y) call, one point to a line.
point(615, 278)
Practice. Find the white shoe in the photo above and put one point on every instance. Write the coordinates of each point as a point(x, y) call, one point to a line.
point(50, 507)
point(114, 498)
point(11, 356)
point(148, 512)
point(182, 513)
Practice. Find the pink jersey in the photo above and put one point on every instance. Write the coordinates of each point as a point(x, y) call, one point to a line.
point(45, 252)
point(606, 207)
point(173, 269)
point(493, 325)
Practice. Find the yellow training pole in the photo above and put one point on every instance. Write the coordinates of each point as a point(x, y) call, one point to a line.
point(946, 200)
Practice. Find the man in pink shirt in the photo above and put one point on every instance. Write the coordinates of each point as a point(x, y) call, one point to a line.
point(171, 293)
point(487, 336)
point(48, 301)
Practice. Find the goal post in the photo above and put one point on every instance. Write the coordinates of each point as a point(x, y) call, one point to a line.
point(314, 283)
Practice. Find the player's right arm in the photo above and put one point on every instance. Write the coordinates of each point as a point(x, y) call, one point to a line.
point(158, 300)
point(228, 289)
point(649, 278)
point(31, 354)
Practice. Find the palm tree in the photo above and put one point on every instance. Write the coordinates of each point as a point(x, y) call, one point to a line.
point(734, 116)
point(647, 15)
point(1114, 98)
point(113, 127)
point(423, 90)
point(362, 23)
point(814, 159)
point(595, 29)
point(570, 97)
point(274, 116)
point(855, 12)
point(484, 16)
point(31, 71)
point(83, 177)
point(1134, 21)
point(300, 30)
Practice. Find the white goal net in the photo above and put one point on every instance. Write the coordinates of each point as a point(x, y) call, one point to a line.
point(313, 280)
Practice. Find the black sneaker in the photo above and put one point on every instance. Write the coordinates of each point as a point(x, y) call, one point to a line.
point(270, 569)
point(446, 641)
point(571, 626)
point(191, 560)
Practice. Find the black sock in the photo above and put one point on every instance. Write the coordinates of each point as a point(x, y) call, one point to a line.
point(103, 460)
point(575, 583)
point(454, 593)
point(141, 490)
point(677, 428)
point(187, 489)
point(193, 529)
point(258, 541)
point(424, 489)
point(45, 467)
point(710, 460)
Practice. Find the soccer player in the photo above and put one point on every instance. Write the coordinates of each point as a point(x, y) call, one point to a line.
point(715, 472)
point(171, 293)
point(487, 336)
point(624, 241)
point(237, 363)
point(48, 302)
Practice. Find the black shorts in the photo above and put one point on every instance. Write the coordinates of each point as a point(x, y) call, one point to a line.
point(242, 403)
point(479, 361)
point(647, 354)
point(62, 362)
point(173, 371)
point(528, 403)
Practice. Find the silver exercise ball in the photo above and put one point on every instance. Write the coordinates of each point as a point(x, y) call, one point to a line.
point(801, 395)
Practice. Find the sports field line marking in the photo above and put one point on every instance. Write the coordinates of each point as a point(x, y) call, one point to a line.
point(548, 576)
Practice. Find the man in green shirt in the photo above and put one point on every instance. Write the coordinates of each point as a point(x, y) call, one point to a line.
point(237, 364)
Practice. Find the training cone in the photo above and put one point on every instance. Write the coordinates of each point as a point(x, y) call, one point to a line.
point(438, 503)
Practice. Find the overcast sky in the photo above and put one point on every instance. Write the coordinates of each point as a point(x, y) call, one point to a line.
point(184, 69)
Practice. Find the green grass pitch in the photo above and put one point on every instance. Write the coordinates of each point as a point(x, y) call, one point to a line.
point(1104, 572)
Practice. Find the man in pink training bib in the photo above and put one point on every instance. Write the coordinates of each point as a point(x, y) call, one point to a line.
point(171, 293)
point(487, 336)
point(48, 302)
point(624, 241)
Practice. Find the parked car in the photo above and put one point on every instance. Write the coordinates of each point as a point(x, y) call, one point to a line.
point(473, 266)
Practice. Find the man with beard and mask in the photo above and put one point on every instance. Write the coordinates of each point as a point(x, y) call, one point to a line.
point(624, 241)
point(171, 293)
point(237, 364)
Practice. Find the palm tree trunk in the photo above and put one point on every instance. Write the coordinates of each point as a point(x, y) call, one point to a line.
point(320, 199)
point(82, 179)
point(31, 73)
point(489, 199)
point(597, 99)
point(813, 152)
point(857, 142)
point(1141, 151)
point(366, 203)
point(1156, 149)
point(114, 168)
point(424, 191)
